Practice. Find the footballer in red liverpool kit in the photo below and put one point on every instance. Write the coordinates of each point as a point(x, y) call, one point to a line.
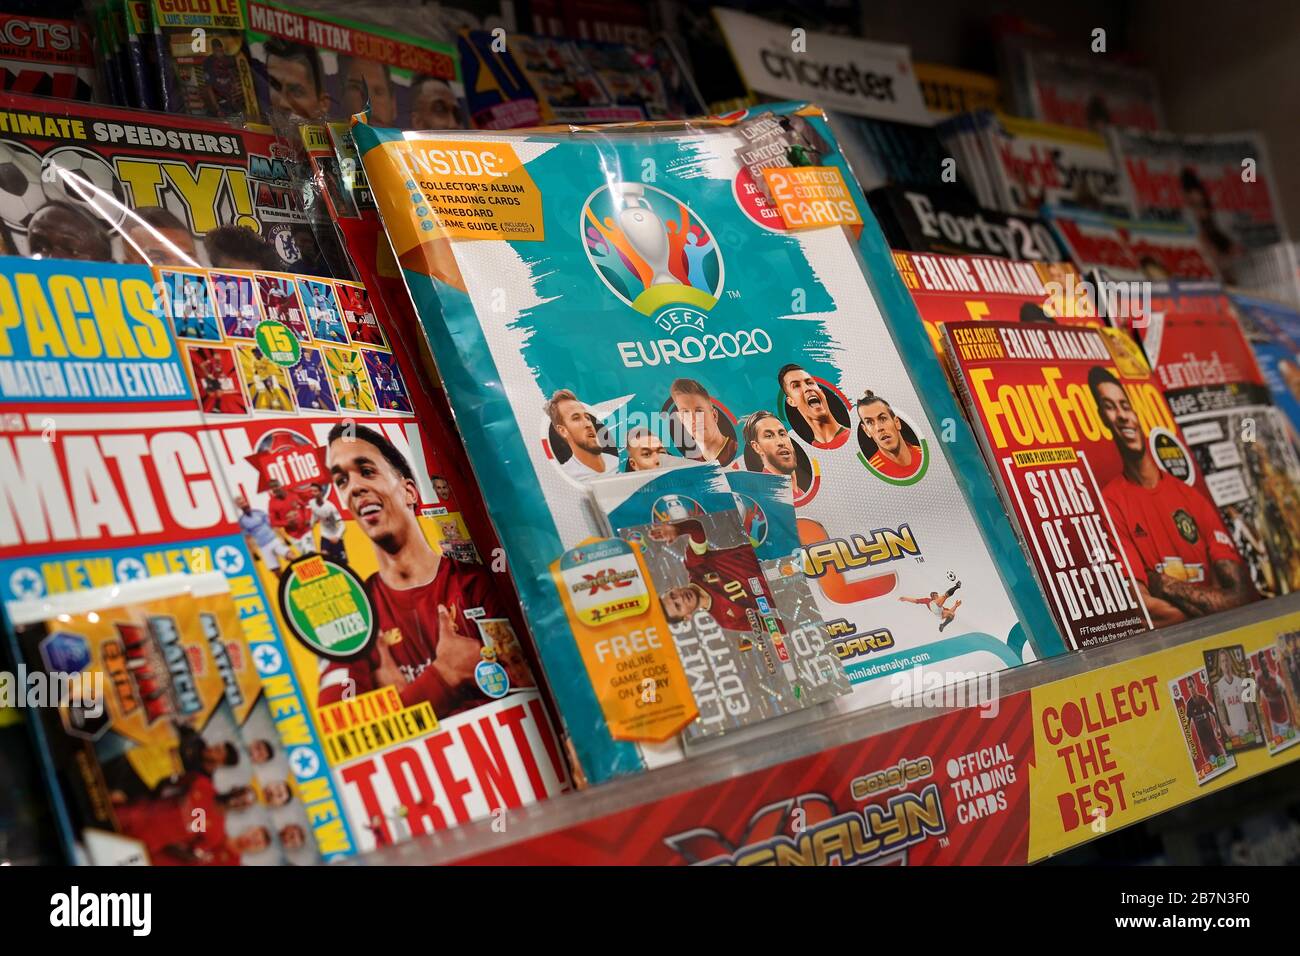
point(727, 583)
point(218, 382)
point(425, 645)
point(1182, 557)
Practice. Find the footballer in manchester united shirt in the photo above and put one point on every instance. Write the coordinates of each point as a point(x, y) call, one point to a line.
point(1185, 562)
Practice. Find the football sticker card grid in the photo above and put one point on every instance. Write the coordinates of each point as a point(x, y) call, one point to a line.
point(1200, 725)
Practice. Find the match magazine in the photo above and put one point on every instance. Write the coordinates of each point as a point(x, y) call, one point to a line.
point(319, 66)
point(104, 184)
point(1239, 439)
point(1111, 504)
point(211, 451)
point(719, 335)
point(1223, 185)
point(46, 57)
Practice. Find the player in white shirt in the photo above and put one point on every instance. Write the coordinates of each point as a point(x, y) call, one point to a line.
point(573, 423)
point(1227, 691)
point(327, 517)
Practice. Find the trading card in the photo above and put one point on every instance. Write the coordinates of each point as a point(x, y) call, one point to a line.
point(766, 506)
point(280, 300)
point(390, 392)
point(266, 384)
point(359, 316)
point(323, 316)
point(190, 305)
point(1274, 703)
point(1200, 723)
point(1288, 648)
point(311, 383)
point(713, 593)
point(348, 374)
point(216, 378)
point(1235, 697)
point(236, 304)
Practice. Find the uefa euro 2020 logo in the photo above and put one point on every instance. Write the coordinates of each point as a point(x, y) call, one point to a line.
point(653, 252)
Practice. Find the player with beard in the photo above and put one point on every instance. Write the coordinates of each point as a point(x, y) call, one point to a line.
point(804, 394)
point(895, 457)
point(421, 599)
point(1164, 523)
point(573, 423)
point(767, 438)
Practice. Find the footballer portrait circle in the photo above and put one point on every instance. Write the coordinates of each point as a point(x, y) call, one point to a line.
point(578, 442)
point(888, 446)
point(814, 408)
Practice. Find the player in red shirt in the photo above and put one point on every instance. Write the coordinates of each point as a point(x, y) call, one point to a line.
point(1205, 724)
point(423, 600)
point(291, 518)
point(363, 327)
point(217, 383)
point(895, 457)
point(1185, 563)
point(167, 826)
point(727, 583)
point(1275, 702)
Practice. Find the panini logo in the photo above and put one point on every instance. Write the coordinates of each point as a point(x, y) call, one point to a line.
point(860, 550)
point(604, 580)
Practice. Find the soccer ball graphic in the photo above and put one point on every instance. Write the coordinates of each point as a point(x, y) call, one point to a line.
point(675, 508)
point(20, 185)
point(75, 175)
